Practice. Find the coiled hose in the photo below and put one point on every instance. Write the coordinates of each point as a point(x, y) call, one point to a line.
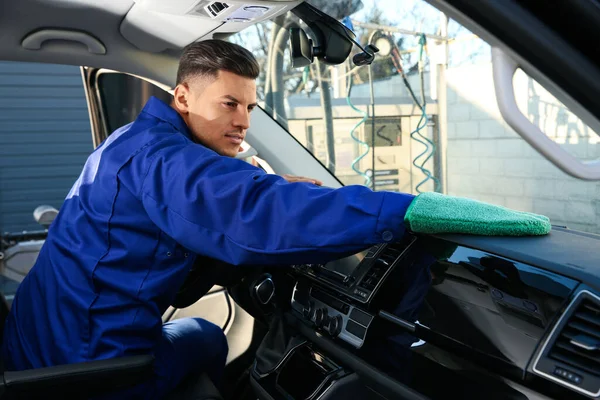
point(365, 145)
point(423, 121)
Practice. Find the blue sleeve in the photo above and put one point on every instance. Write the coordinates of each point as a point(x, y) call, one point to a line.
point(227, 209)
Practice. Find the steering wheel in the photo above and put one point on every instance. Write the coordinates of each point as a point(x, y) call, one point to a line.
point(205, 273)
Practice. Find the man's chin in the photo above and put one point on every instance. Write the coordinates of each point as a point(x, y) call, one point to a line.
point(229, 152)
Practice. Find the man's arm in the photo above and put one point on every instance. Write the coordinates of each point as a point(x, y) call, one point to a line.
point(227, 209)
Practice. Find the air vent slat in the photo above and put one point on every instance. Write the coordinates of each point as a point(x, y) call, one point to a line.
point(569, 334)
point(590, 355)
point(583, 327)
point(591, 307)
point(384, 261)
point(588, 317)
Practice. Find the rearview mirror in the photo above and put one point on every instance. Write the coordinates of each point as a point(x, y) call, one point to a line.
point(301, 49)
point(333, 41)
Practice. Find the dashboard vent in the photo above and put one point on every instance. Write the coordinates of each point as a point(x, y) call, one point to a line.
point(578, 344)
point(384, 261)
point(571, 354)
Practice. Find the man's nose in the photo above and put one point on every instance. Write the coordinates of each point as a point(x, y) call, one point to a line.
point(242, 119)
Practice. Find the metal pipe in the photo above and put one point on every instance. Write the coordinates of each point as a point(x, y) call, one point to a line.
point(372, 125)
point(442, 88)
point(276, 64)
point(386, 28)
point(327, 116)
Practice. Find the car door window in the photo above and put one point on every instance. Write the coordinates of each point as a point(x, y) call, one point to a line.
point(123, 96)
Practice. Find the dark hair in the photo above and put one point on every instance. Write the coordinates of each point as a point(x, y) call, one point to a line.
point(208, 57)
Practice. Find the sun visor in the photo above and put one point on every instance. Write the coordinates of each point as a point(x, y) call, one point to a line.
point(157, 25)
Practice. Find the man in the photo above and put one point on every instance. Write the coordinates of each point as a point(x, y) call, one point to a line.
point(159, 191)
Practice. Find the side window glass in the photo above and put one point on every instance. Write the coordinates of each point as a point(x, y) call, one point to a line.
point(123, 97)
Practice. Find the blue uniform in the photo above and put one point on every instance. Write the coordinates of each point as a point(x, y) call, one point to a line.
point(148, 200)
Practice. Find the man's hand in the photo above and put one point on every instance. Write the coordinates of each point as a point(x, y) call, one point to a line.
point(292, 178)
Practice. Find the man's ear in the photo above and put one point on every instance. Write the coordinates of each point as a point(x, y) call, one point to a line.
point(181, 95)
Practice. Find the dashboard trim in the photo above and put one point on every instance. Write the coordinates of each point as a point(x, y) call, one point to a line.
point(380, 249)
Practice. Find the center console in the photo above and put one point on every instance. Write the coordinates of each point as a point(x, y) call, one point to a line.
point(332, 300)
point(305, 373)
point(334, 297)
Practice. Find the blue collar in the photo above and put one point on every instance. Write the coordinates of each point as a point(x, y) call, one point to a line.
point(159, 109)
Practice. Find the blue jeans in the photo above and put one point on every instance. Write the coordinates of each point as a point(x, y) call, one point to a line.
point(188, 346)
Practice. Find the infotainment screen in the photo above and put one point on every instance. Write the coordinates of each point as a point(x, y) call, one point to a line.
point(346, 266)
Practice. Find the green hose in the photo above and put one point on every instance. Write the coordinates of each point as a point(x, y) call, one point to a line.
point(365, 145)
point(422, 124)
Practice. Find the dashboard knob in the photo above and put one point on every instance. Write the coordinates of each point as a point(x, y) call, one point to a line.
point(320, 317)
point(335, 325)
point(309, 312)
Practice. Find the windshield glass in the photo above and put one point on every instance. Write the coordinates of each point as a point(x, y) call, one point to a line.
point(423, 116)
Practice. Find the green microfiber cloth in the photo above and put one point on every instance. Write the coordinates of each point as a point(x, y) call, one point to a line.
point(432, 212)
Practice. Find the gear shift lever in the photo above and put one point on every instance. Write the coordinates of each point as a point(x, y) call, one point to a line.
point(264, 289)
point(281, 338)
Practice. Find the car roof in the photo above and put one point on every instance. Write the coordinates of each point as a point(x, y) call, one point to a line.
point(142, 37)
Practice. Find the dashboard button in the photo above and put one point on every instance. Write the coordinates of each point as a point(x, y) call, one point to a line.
point(355, 329)
point(360, 317)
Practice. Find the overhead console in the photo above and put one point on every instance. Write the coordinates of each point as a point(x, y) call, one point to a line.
point(157, 25)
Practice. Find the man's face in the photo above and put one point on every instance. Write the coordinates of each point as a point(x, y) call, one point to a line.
point(217, 111)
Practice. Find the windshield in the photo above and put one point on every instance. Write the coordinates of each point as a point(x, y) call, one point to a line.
point(423, 116)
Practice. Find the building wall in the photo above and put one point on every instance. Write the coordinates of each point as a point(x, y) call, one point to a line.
point(488, 161)
point(44, 138)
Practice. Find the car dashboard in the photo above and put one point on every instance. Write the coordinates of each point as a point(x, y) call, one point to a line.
point(432, 316)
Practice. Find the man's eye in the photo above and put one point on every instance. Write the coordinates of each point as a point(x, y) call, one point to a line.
point(231, 104)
